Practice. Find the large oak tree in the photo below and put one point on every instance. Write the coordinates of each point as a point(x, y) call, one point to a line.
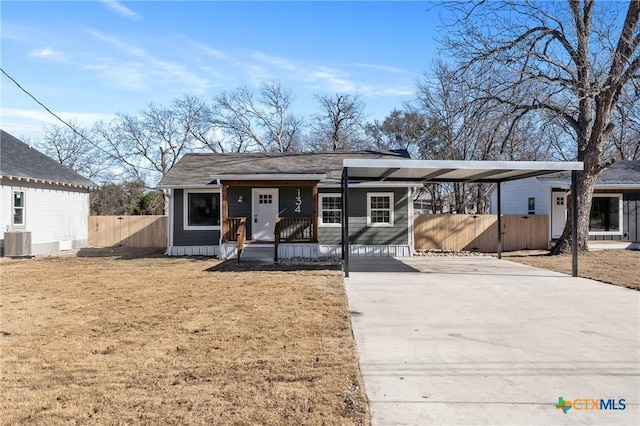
point(572, 63)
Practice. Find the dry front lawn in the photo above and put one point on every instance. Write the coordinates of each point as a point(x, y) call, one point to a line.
point(155, 340)
point(619, 267)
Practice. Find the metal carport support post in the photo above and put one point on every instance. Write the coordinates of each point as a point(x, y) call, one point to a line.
point(574, 224)
point(498, 185)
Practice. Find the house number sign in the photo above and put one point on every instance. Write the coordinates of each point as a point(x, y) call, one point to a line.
point(298, 203)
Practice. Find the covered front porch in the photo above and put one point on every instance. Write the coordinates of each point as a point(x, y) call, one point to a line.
point(281, 215)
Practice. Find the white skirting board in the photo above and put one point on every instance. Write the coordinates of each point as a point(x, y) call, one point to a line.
point(194, 251)
point(360, 250)
point(288, 251)
point(291, 251)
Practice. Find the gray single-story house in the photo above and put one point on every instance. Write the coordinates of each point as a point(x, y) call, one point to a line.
point(615, 209)
point(211, 194)
point(44, 206)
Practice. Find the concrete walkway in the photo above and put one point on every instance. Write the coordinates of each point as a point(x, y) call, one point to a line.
point(477, 340)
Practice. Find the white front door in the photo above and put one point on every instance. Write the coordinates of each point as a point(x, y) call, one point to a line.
point(558, 213)
point(264, 209)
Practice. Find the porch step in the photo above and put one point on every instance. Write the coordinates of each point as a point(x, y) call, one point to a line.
point(253, 253)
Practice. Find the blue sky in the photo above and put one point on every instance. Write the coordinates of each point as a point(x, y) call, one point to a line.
point(88, 60)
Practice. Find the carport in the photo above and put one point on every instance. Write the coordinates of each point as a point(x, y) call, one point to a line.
point(435, 171)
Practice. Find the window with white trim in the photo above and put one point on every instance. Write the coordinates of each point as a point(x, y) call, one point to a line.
point(18, 217)
point(330, 209)
point(201, 210)
point(380, 209)
point(605, 217)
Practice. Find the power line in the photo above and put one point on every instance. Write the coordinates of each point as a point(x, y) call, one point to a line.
point(95, 145)
point(47, 109)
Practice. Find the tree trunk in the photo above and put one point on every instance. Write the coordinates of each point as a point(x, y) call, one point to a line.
point(584, 194)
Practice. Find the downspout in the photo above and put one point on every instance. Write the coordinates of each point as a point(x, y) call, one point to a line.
point(171, 201)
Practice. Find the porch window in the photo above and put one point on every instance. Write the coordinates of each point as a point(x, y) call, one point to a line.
point(201, 210)
point(380, 209)
point(18, 217)
point(330, 209)
point(606, 214)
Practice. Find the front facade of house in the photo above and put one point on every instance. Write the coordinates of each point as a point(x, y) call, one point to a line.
point(292, 198)
point(615, 208)
point(42, 199)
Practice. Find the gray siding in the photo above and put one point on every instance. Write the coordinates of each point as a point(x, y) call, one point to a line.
point(237, 209)
point(189, 238)
point(630, 220)
point(288, 195)
point(359, 232)
point(631, 204)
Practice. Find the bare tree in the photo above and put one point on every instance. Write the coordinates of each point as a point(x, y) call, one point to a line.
point(572, 59)
point(149, 144)
point(624, 140)
point(245, 121)
point(401, 129)
point(72, 149)
point(459, 127)
point(339, 126)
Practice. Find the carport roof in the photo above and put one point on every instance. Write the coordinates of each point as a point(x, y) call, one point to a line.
point(452, 170)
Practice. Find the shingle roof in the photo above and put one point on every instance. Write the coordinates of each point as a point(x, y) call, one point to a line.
point(623, 172)
point(18, 160)
point(197, 169)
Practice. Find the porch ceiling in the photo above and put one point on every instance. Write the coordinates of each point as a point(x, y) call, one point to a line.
point(452, 170)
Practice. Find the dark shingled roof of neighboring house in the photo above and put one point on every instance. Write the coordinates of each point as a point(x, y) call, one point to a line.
point(622, 172)
point(198, 169)
point(19, 160)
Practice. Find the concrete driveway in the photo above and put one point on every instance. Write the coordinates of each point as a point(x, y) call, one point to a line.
point(477, 340)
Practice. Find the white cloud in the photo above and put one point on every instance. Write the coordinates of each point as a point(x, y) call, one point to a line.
point(392, 92)
point(145, 71)
point(210, 51)
point(120, 9)
point(44, 117)
point(384, 68)
point(51, 54)
point(281, 63)
point(28, 123)
point(325, 78)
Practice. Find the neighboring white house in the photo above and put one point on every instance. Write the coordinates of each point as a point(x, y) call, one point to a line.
point(615, 209)
point(41, 197)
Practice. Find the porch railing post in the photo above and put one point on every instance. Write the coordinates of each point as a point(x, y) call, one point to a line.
point(276, 238)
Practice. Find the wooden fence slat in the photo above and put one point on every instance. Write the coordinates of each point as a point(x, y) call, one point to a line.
point(479, 232)
point(129, 231)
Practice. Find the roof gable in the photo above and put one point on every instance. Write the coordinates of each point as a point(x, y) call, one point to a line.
point(19, 160)
point(199, 169)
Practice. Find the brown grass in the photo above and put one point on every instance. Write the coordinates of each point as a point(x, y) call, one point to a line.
point(117, 340)
point(619, 267)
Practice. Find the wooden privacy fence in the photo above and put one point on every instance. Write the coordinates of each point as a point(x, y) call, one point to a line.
point(480, 232)
point(129, 231)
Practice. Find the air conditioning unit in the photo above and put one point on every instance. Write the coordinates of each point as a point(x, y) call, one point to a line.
point(17, 244)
